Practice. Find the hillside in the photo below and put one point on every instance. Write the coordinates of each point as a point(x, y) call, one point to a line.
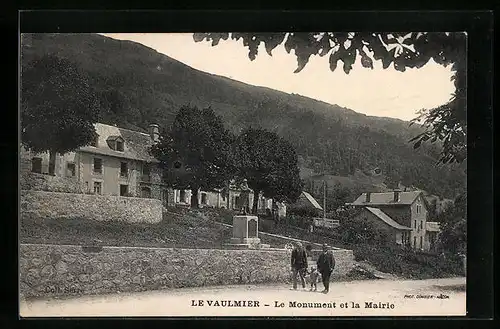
point(147, 87)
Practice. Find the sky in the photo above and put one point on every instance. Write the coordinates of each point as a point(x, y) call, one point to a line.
point(376, 92)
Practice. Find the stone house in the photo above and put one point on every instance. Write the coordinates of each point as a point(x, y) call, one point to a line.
point(234, 197)
point(116, 163)
point(403, 215)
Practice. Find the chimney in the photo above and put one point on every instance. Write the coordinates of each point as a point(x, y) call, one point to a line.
point(368, 196)
point(154, 132)
point(396, 195)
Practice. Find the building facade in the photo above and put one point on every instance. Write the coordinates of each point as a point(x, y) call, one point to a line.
point(116, 163)
point(403, 214)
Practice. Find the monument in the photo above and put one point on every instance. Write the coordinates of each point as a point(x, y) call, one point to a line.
point(246, 233)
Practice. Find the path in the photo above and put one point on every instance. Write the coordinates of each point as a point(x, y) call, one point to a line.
point(179, 302)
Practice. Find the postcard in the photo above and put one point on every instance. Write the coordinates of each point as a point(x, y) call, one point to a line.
point(243, 174)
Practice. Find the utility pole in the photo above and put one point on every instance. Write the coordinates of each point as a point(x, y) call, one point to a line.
point(228, 192)
point(324, 199)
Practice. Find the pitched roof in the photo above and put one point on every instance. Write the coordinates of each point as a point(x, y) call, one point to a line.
point(387, 198)
point(136, 146)
point(432, 226)
point(312, 200)
point(388, 220)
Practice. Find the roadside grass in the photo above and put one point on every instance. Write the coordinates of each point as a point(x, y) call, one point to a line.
point(388, 259)
point(185, 230)
point(202, 229)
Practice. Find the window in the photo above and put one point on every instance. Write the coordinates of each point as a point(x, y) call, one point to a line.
point(146, 169)
point(145, 192)
point(97, 188)
point(97, 166)
point(123, 169)
point(203, 198)
point(36, 165)
point(421, 244)
point(182, 196)
point(123, 190)
point(419, 210)
point(95, 141)
point(146, 172)
point(421, 224)
point(70, 169)
point(119, 145)
point(164, 196)
point(415, 223)
point(414, 242)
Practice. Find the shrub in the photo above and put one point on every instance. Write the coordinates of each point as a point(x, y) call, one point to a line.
point(407, 263)
point(304, 212)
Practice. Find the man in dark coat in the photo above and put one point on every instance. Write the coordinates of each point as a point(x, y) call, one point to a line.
point(325, 265)
point(299, 264)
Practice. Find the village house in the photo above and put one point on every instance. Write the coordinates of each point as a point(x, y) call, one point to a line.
point(237, 196)
point(118, 163)
point(400, 214)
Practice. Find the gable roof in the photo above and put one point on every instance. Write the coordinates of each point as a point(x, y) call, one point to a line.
point(385, 218)
point(312, 200)
point(136, 144)
point(387, 198)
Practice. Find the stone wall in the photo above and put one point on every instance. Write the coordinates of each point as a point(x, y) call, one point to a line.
point(55, 270)
point(344, 261)
point(103, 208)
point(41, 182)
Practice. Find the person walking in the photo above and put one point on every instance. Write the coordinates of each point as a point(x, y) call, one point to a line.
point(299, 264)
point(325, 266)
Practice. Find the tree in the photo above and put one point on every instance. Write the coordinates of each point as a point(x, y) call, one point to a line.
point(453, 224)
point(195, 152)
point(446, 123)
point(432, 213)
point(354, 229)
point(270, 165)
point(58, 107)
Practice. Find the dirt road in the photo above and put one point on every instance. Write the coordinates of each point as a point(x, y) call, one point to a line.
point(357, 298)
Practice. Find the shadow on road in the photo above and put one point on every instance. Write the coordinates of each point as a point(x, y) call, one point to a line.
point(455, 287)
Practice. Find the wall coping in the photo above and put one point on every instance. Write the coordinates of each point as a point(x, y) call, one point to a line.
point(91, 195)
point(152, 248)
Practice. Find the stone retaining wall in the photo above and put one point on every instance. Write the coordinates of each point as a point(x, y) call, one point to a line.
point(43, 182)
point(103, 208)
point(56, 270)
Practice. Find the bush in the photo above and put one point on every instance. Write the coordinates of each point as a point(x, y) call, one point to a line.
point(407, 263)
point(266, 225)
point(355, 230)
point(304, 212)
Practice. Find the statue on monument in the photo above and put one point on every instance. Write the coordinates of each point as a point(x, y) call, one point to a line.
point(244, 202)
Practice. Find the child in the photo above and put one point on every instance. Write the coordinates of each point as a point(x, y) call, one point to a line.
point(313, 277)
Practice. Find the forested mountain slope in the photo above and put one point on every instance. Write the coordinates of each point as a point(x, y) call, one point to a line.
point(141, 86)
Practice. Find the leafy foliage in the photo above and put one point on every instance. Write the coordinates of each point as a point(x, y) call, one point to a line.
point(355, 230)
point(446, 123)
point(58, 107)
point(195, 151)
point(453, 224)
point(306, 212)
point(329, 139)
point(269, 163)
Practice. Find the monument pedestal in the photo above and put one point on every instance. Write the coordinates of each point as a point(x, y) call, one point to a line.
point(246, 233)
